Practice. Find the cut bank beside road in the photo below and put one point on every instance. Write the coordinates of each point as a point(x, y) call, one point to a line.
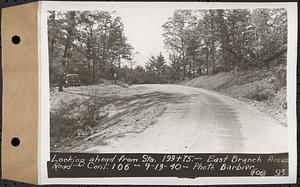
point(264, 89)
point(101, 113)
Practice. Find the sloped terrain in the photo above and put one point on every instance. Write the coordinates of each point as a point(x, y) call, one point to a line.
point(97, 114)
point(265, 89)
point(159, 118)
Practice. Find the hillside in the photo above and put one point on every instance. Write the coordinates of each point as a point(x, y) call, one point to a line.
point(265, 89)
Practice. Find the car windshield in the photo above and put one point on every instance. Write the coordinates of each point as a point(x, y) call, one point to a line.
point(75, 76)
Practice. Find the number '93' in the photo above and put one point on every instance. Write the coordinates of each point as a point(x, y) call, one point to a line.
point(280, 172)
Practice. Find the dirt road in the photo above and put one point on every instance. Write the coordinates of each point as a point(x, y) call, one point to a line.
point(202, 121)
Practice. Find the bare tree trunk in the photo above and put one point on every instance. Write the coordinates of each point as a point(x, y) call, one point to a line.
point(184, 66)
point(53, 40)
point(190, 69)
point(184, 69)
point(92, 55)
point(61, 83)
point(194, 64)
point(64, 62)
point(207, 63)
point(212, 41)
point(67, 48)
point(213, 59)
point(94, 70)
point(89, 70)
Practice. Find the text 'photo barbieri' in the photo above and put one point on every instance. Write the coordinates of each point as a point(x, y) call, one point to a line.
point(182, 80)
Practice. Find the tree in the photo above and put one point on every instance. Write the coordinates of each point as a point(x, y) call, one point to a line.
point(94, 45)
point(55, 26)
point(176, 36)
point(157, 67)
point(69, 38)
point(90, 43)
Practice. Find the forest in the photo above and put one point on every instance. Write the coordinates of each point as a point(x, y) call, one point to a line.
point(93, 44)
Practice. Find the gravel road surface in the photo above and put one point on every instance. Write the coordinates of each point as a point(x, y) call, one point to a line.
point(203, 121)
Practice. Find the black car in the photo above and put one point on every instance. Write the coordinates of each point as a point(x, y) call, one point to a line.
point(72, 80)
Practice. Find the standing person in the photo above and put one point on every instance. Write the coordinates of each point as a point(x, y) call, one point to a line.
point(115, 77)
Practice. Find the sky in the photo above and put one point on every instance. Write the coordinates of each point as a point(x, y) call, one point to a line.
point(143, 29)
point(143, 21)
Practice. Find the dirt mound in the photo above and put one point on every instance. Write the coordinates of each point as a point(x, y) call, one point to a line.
point(265, 89)
point(209, 82)
point(98, 113)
